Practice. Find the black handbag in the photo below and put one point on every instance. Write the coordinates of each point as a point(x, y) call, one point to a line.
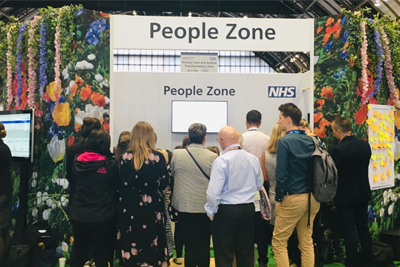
point(382, 254)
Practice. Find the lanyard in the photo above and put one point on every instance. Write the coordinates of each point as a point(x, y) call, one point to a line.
point(233, 148)
point(349, 134)
point(296, 132)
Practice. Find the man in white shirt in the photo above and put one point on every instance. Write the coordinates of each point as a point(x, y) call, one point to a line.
point(235, 179)
point(255, 142)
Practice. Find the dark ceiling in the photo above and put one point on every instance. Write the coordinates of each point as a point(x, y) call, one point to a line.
point(291, 62)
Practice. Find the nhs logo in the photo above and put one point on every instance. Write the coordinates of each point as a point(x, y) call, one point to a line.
point(282, 91)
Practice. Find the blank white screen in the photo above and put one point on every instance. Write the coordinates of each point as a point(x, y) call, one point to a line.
point(213, 114)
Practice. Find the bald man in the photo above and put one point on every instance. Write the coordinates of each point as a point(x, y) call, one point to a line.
point(235, 179)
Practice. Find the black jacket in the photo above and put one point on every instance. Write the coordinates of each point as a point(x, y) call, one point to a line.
point(96, 180)
point(352, 157)
point(6, 187)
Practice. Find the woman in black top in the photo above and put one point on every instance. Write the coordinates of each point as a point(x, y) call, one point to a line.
point(6, 190)
point(94, 206)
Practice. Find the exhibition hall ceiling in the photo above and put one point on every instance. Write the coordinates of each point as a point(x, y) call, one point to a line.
point(291, 62)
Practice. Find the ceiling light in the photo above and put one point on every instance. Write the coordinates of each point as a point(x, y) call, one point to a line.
point(377, 4)
point(245, 17)
point(134, 12)
point(190, 14)
point(281, 67)
point(297, 56)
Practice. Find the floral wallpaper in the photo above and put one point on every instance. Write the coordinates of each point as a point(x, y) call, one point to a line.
point(57, 63)
point(357, 60)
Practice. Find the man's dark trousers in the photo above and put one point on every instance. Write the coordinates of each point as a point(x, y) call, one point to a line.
point(354, 219)
point(196, 237)
point(233, 234)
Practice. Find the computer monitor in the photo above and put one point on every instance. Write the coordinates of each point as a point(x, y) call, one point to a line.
point(213, 114)
point(19, 126)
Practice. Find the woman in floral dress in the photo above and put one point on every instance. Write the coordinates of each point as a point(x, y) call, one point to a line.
point(141, 223)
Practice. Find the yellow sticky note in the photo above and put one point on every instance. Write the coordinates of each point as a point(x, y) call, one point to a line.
point(373, 119)
point(375, 128)
point(390, 138)
point(389, 145)
point(388, 129)
point(390, 113)
point(383, 145)
point(373, 156)
point(383, 163)
point(369, 122)
point(375, 165)
point(375, 177)
point(374, 137)
point(387, 156)
point(388, 172)
point(371, 139)
point(380, 156)
point(391, 158)
point(380, 124)
point(383, 176)
point(386, 117)
point(380, 115)
point(374, 146)
point(368, 106)
point(394, 108)
point(375, 113)
point(390, 152)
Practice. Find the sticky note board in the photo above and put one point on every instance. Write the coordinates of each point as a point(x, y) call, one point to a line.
point(380, 124)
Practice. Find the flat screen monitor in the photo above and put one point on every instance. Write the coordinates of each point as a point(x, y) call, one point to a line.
point(213, 114)
point(19, 126)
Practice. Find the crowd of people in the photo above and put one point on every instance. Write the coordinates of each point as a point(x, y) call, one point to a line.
point(125, 201)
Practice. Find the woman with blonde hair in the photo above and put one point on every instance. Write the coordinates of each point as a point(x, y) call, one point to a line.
point(268, 166)
point(141, 221)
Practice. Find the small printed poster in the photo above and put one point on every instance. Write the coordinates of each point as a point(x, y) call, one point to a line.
point(381, 139)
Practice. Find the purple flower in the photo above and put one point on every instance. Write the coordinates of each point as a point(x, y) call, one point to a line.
point(92, 37)
point(328, 46)
point(99, 26)
point(344, 19)
point(42, 58)
point(344, 54)
point(345, 37)
point(18, 68)
point(80, 11)
point(336, 76)
point(379, 65)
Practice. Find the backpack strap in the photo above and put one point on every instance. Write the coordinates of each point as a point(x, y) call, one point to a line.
point(310, 181)
point(197, 164)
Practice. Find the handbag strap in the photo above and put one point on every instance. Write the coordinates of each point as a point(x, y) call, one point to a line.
point(197, 164)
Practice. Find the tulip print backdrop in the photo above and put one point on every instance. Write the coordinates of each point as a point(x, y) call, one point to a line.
point(357, 57)
point(57, 63)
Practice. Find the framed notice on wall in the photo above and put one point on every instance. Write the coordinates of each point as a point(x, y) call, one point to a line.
point(381, 139)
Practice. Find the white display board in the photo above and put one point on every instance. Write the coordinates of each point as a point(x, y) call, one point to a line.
point(148, 97)
point(381, 139)
point(140, 96)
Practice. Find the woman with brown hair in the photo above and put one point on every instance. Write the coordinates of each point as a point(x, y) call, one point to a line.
point(122, 146)
point(141, 222)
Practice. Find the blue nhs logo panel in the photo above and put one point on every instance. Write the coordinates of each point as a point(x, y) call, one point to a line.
point(282, 91)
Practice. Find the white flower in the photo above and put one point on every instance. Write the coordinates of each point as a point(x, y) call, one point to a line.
point(107, 100)
point(56, 149)
point(385, 193)
point(34, 175)
point(105, 82)
point(79, 116)
point(64, 246)
point(64, 201)
point(34, 183)
point(56, 180)
point(390, 209)
point(81, 65)
point(98, 78)
point(94, 111)
point(71, 83)
point(45, 196)
point(54, 205)
point(91, 57)
point(34, 212)
point(49, 202)
point(64, 183)
point(46, 214)
point(65, 73)
point(39, 197)
point(398, 176)
point(381, 212)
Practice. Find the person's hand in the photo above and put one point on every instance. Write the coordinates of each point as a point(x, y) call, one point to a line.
point(212, 218)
